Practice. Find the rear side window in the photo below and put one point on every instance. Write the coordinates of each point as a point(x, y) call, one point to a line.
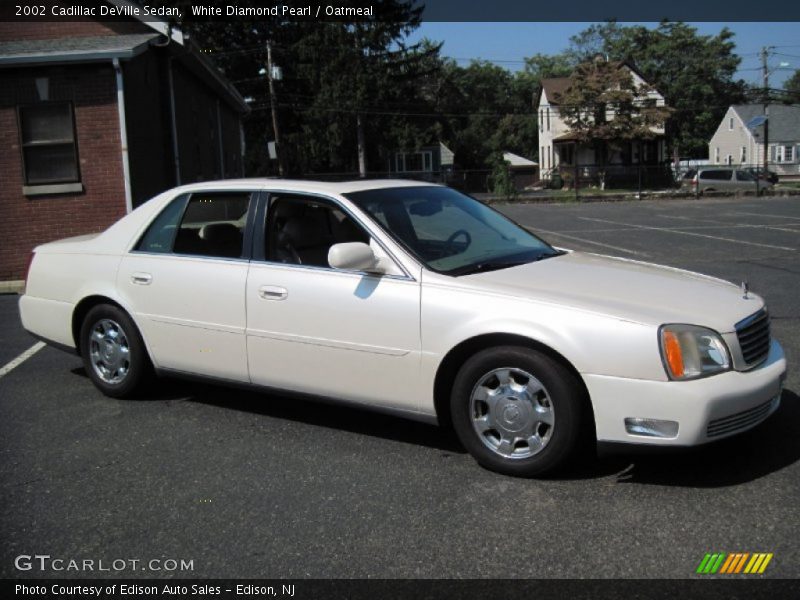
point(161, 233)
point(717, 174)
point(213, 225)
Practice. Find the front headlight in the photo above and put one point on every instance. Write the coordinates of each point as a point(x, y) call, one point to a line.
point(690, 352)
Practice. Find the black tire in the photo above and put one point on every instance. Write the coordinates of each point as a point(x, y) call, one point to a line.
point(139, 370)
point(564, 395)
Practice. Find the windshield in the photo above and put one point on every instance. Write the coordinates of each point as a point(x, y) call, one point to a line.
point(449, 232)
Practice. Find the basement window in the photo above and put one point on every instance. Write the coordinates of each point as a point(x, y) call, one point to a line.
point(49, 148)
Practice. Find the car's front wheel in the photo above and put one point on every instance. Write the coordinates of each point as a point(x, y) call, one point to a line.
point(113, 352)
point(517, 411)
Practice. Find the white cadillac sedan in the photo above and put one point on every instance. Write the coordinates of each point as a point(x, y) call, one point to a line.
point(412, 298)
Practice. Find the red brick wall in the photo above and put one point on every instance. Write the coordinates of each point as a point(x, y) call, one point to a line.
point(28, 221)
point(45, 30)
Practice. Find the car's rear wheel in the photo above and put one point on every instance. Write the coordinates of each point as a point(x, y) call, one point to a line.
point(113, 352)
point(517, 411)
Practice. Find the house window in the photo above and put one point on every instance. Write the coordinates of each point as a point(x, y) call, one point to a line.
point(743, 155)
point(47, 139)
point(730, 124)
point(548, 118)
point(716, 155)
point(782, 154)
point(414, 162)
point(550, 156)
point(541, 122)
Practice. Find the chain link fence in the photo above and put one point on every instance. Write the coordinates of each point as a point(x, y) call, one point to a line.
point(577, 182)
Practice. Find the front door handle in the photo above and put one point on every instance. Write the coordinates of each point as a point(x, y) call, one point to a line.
point(141, 278)
point(273, 292)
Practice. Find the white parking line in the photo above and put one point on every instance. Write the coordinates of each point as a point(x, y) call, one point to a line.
point(11, 365)
point(720, 224)
point(681, 232)
point(577, 239)
point(763, 215)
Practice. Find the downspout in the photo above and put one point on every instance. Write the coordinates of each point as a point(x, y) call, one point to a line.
point(175, 151)
point(219, 143)
point(123, 135)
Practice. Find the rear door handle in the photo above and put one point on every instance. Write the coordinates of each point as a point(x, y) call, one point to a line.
point(141, 278)
point(273, 292)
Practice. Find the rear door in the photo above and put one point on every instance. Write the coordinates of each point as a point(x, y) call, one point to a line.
point(185, 281)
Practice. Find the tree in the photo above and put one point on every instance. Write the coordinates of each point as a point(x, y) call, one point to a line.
point(483, 110)
point(501, 181)
point(695, 73)
point(792, 87)
point(603, 104)
point(342, 83)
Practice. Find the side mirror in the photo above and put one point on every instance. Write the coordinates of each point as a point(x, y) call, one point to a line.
point(354, 256)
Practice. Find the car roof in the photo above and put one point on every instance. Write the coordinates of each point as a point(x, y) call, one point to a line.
point(303, 185)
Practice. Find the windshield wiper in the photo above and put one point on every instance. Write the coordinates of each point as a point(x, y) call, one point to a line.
point(496, 265)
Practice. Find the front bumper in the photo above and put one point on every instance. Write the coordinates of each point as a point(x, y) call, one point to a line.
point(706, 409)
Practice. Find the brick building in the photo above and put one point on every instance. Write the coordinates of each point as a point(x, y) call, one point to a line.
point(96, 118)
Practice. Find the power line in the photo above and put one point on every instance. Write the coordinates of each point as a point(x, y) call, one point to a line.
point(380, 111)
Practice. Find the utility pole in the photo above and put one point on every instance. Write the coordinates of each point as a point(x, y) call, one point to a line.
point(360, 141)
point(765, 72)
point(273, 102)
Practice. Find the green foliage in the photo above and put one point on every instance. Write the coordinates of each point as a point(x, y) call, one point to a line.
point(604, 104)
point(484, 110)
point(792, 86)
point(332, 72)
point(501, 180)
point(694, 72)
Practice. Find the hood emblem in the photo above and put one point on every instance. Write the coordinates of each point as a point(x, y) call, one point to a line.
point(745, 290)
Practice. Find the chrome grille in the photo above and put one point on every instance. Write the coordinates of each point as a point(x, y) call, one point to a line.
point(754, 337)
point(741, 420)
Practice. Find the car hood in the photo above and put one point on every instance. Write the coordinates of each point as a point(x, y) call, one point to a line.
point(625, 289)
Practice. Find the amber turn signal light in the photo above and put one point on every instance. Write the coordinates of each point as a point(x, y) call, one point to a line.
point(673, 354)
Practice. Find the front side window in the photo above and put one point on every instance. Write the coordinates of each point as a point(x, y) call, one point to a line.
point(47, 139)
point(301, 230)
point(449, 232)
point(205, 224)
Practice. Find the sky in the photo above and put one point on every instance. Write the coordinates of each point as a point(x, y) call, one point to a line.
point(508, 43)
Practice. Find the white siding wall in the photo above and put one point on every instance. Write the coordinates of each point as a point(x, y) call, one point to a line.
point(729, 141)
point(556, 127)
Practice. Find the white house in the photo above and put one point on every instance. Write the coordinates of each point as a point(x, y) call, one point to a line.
point(738, 142)
point(559, 148)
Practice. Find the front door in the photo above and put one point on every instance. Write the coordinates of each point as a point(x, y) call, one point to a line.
point(319, 330)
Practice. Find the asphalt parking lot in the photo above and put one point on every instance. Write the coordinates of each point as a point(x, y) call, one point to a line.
point(249, 485)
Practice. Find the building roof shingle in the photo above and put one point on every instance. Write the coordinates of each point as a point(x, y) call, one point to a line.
point(784, 121)
point(554, 87)
point(73, 49)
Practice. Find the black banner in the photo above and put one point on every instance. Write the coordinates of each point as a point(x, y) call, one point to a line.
point(433, 10)
point(305, 589)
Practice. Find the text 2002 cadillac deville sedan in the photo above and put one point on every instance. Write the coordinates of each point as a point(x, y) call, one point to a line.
point(413, 298)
